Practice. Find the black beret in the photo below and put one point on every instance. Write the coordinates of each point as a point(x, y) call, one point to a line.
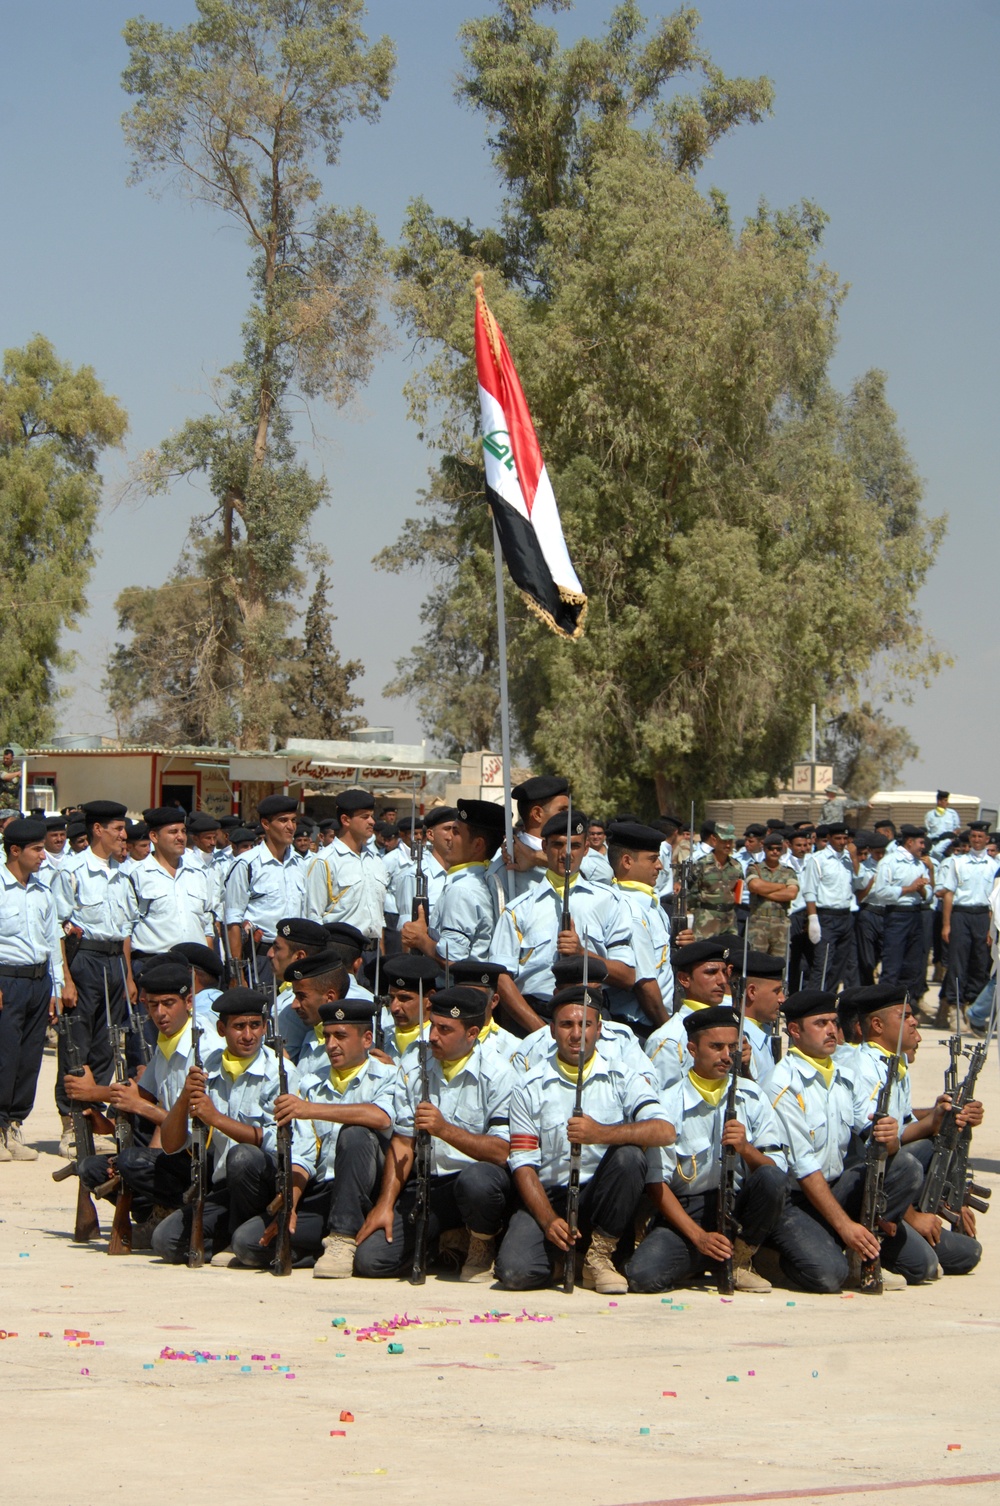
point(674, 823)
point(345, 935)
point(709, 949)
point(878, 841)
point(634, 836)
point(438, 814)
point(809, 1001)
point(764, 965)
point(202, 821)
point(304, 829)
point(576, 994)
point(164, 815)
point(775, 823)
point(483, 813)
point(228, 822)
point(104, 810)
point(906, 830)
point(390, 829)
point(822, 830)
point(55, 823)
point(243, 834)
point(312, 967)
point(241, 1001)
point(408, 969)
point(541, 788)
point(349, 1011)
point(973, 826)
point(327, 823)
point(200, 956)
point(569, 970)
point(834, 829)
point(24, 829)
point(474, 974)
point(848, 1008)
point(302, 932)
point(352, 801)
point(136, 831)
point(774, 839)
point(277, 805)
point(458, 1004)
point(714, 1018)
point(877, 996)
point(755, 830)
point(556, 826)
point(167, 978)
point(75, 829)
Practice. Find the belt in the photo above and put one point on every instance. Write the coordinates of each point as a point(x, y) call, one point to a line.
point(833, 910)
point(902, 909)
point(105, 948)
point(971, 909)
point(34, 970)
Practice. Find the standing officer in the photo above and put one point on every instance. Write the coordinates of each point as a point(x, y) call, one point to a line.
point(901, 882)
point(265, 884)
point(466, 912)
point(31, 979)
point(827, 886)
point(441, 827)
point(940, 823)
point(55, 848)
point(870, 923)
point(965, 881)
point(175, 899)
point(536, 801)
point(95, 905)
point(347, 880)
point(714, 877)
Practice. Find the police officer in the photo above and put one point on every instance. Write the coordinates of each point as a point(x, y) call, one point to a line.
point(96, 907)
point(175, 899)
point(315, 981)
point(55, 848)
point(263, 885)
point(31, 979)
point(441, 826)
point(347, 880)
point(466, 913)
point(465, 1113)
point(686, 1235)
point(965, 882)
point(536, 801)
point(901, 883)
point(829, 878)
point(634, 854)
point(621, 1119)
point(407, 977)
point(764, 994)
point(702, 972)
point(870, 924)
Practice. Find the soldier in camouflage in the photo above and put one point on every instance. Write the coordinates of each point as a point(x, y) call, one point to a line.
point(773, 886)
point(714, 877)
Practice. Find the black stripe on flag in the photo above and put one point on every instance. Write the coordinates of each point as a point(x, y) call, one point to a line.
point(526, 563)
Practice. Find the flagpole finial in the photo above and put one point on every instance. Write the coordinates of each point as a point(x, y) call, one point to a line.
point(478, 280)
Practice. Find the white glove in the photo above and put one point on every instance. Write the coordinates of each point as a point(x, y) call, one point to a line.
point(813, 930)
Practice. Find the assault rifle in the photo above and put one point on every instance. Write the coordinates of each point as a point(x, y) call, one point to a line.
point(876, 1156)
point(120, 1242)
point(726, 1206)
point(947, 1186)
point(576, 1151)
point(88, 1225)
point(680, 917)
point(281, 1204)
point(231, 972)
point(422, 1158)
point(195, 1195)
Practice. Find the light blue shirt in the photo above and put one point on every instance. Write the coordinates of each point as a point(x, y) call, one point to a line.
point(348, 886)
point(761, 1056)
point(249, 1098)
point(665, 878)
point(164, 1078)
point(894, 872)
point(651, 945)
point(938, 824)
point(526, 933)
point(817, 1121)
point(542, 1104)
point(435, 874)
point(476, 1100)
point(870, 1067)
point(828, 880)
point(667, 1049)
point(214, 875)
point(969, 877)
point(29, 932)
point(466, 914)
point(618, 1046)
point(95, 896)
point(374, 1084)
point(595, 867)
point(50, 867)
point(171, 909)
point(693, 1164)
point(261, 889)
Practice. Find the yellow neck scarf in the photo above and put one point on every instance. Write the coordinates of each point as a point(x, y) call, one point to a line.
point(490, 1028)
point(452, 1069)
point(635, 884)
point(711, 1089)
point(570, 1073)
point(824, 1064)
point(406, 1037)
point(235, 1066)
point(694, 1004)
point(344, 1075)
point(558, 880)
point(901, 1064)
point(318, 1028)
point(460, 867)
point(168, 1043)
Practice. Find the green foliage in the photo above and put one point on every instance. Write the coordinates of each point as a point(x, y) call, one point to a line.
point(318, 691)
point(867, 751)
point(54, 422)
point(727, 511)
point(237, 107)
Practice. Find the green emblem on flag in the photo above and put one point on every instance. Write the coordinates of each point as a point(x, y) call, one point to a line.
point(498, 444)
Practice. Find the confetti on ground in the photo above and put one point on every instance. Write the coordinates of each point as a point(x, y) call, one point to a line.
point(953, 1447)
point(732, 1377)
point(642, 1431)
point(347, 1416)
point(674, 1393)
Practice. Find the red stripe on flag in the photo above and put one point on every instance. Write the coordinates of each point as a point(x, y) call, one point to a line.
point(501, 382)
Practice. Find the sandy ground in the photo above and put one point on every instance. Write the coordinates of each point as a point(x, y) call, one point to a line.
point(833, 1398)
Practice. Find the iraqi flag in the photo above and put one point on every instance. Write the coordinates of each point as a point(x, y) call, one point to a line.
point(518, 488)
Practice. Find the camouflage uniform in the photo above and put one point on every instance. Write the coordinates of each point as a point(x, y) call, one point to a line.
point(768, 921)
point(711, 895)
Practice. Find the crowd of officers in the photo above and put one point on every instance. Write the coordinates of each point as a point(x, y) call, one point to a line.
point(422, 984)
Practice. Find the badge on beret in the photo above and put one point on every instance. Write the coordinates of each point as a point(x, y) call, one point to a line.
point(454, 1011)
point(286, 930)
point(484, 978)
point(339, 1015)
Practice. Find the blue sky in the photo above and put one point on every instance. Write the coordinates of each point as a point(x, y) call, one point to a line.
point(885, 115)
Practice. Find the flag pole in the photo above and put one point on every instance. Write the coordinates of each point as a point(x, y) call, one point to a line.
point(504, 707)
